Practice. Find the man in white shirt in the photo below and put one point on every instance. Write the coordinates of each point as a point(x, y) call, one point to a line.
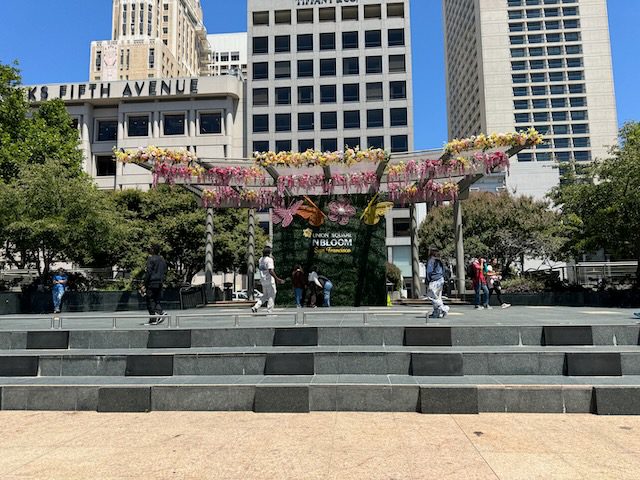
point(268, 279)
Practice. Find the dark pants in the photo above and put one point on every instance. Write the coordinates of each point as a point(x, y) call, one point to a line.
point(154, 296)
point(313, 294)
point(497, 290)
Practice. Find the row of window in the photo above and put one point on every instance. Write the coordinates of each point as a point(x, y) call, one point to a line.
point(374, 91)
point(551, 51)
point(399, 143)
point(580, 156)
point(328, 67)
point(543, 12)
point(572, 76)
point(329, 120)
point(549, 38)
point(578, 115)
point(565, 129)
point(554, 103)
point(327, 41)
point(541, 90)
point(548, 25)
point(172, 124)
point(518, 3)
point(552, 63)
point(327, 14)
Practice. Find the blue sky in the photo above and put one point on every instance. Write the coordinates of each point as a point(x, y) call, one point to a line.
point(51, 40)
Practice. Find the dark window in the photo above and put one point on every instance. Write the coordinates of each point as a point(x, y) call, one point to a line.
point(521, 104)
point(262, 146)
point(105, 166)
point(260, 97)
point(541, 116)
point(327, 14)
point(554, 51)
point(349, 40)
point(581, 142)
point(349, 13)
point(305, 15)
point(573, 49)
point(307, 144)
point(375, 118)
point(375, 142)
point(582, 156)
point(372, 11)
point(520, 91)
point(260, 71)
point(327, 67)
point(397, 63)
point(305, 68)
point(580, 115)
point(260, 123)
point(522, 117)
point(580, 129)
point(283, 96)
point(328, 94)
point(107, 130)
point(559, 116)
point(373, 38)
point(329, 144)
point(283, 43)
point(328, 120)
point(539, 103)
point(574, 62)
point(395, 10)
point(560, 156)
point(305, 42)
point(558, 103)
point(577, 75)
point(561, 129)
point(283, 17)
point(327, 41)
point(283, 145)
point(396, 37)
point(173, 124)
point(561, 142)
point(138, 126)
point(260, 18)
point(352, 119)
point(351, 66)
point(351, 142)
point(260, 45)
point(398, 90)
point(210, 123)
point(398, 117)
point(578, 88)
point(305, 94)
point(306, 121)
point(401, 227)
point(374, 64)
point(283, 69)
point(351, 92)
point(374, 91)
point(283, 122)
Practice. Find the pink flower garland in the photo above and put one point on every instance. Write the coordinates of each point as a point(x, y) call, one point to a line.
point(228, 196)
point(358, 182)
point(430, 191)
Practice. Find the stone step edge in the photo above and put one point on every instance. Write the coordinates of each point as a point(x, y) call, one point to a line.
point(601, 400)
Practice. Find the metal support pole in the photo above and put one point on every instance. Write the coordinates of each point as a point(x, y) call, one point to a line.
point(208, 257)
point(415, 254)
point(251, 253)
point(459, 239)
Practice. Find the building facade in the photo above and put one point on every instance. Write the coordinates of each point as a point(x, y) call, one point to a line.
point(204, 115)
point(228, 54)
point(515, 64)
point(325, 75)
point(152, 39)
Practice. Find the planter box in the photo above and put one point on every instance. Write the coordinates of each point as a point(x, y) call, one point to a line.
point(9, 303)
point(617, 299)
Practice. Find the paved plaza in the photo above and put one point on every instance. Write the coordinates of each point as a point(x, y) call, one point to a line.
point(66, 446)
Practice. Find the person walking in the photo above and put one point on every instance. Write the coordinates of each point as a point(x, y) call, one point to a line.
point(268, 280)
point(480, 284)
point(326, 285)
point(299, 282)
point(494, 279)
point(435, 282)
point(60, 280)
point(153, 282)
point(312, 287)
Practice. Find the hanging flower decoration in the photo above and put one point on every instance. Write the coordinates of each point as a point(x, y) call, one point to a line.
point(154, 154)
point(430, 191)
point(529, 138)
point(357, 182)
point(341, 211)
point(284, 215)
point(229, 196)
point(221, 176)
point(349, 157)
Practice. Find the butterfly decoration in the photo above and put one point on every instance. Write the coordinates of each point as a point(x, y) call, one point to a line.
point(284, 215)
point(375, 211)
point(311, 213)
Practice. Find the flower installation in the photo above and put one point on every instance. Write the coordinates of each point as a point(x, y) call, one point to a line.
point(154, 154)
point(284, 215)
point(341, 211)
point(430, 191)
point(349, 157)
point(529, 138)
point(234, 197)
point(357, 182)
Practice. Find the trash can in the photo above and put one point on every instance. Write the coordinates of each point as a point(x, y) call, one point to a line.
point(228, 291)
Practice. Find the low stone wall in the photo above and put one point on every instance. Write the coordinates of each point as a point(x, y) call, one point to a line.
point(614, 299)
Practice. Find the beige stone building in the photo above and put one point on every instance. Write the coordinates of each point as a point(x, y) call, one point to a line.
point(152, 39)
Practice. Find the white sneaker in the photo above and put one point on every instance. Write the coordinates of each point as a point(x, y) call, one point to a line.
point(476, 307)
point(488, 307)
point(506, 305)
point(445, 312)
point(254, 309)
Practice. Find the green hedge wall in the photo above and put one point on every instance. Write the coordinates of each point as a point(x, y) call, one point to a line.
point(358, 277)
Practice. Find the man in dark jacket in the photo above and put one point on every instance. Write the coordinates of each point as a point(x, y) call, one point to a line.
point(153, 281)
point(435, 282)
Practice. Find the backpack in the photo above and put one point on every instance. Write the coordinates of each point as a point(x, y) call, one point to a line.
point(446, 269)
point(471, 271)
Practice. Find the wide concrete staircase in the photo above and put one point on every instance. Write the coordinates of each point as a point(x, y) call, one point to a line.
point(296, 363)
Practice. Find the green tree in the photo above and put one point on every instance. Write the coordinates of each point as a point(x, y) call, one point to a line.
point(501, 226)
point(603, 204)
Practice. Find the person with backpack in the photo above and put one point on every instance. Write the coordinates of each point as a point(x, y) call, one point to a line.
point(479, 283)
point(153, 281)
point(435, 282)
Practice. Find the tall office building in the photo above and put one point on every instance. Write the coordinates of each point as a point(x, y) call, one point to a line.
point(152, 39)
point(228, 54)
point(514, 64)
point(323, 75)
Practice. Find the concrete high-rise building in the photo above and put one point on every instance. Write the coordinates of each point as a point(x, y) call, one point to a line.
point(227, 54)
point(325, 75)
point(152, 39)
point(515, 64)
